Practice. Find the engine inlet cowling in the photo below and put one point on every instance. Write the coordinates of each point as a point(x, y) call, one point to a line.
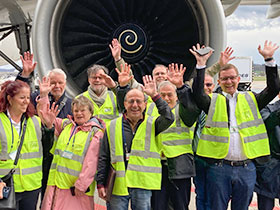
point(74, 34)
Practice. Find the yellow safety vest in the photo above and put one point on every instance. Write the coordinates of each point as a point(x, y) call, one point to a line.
point(144, 167)
point(68, 158)
point(108, 111)
point(214, 141)
point(28, 172)
point(177, 139)
point(151, 109)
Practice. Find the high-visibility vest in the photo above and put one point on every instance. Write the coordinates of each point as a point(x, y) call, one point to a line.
point(144, 167)
point(64, 169)
point(28, 171)
point(108, 111)
point(214, 141)
point(177, 139)
point(151, 109)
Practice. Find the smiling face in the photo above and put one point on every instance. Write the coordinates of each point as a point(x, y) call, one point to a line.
point(168, 93)
point(97, 82)
point(81, 114)
point(134, 104)
point(229, 80)
point(59, 82)
point(19, 103)
point(159, 74)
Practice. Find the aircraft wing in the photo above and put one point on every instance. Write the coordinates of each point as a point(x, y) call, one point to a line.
point(272, 12)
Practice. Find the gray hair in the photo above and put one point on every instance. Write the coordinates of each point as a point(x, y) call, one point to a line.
point(166, 83)
point(95, 68)
point(82, 101)
point(57, 71)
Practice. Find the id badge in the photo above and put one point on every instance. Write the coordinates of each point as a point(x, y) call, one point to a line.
point(13, 155)
point(127, 156)
point(67, 154)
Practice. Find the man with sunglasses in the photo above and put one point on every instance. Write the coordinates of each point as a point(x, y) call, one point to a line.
point(234, 133)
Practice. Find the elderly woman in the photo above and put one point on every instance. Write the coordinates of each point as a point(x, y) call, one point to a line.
point(71, 179)
point(16, 112)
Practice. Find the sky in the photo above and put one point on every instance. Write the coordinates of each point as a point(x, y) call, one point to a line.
point(248, 27)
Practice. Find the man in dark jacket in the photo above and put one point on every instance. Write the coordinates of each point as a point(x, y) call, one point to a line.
point(133, 120)
point(268, 174)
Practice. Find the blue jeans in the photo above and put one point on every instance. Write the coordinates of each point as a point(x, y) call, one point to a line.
point(227, 182)
point(201, 189)
point(140, 200)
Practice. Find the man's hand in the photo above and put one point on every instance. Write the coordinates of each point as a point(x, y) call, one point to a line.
point(116, 49)
point(108, 81)
point(225, 56)
point(149, 86)
point(45, 87)
point(201, 60)
point(27, 64)
point(268, 49)
point(176, 75)
point(124, 76)
point(102, 193)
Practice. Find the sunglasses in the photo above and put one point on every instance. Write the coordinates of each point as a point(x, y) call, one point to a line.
point(208, 84)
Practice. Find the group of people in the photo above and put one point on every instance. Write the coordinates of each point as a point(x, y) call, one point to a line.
point(156, 136)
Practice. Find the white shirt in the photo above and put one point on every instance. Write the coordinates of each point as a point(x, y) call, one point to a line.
point(16, 125)
point(235, 151)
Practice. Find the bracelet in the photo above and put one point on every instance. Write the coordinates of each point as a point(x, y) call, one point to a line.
point(268, 59)
point(118, 60)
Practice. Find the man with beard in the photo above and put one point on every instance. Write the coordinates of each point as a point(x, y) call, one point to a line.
point(104, 100)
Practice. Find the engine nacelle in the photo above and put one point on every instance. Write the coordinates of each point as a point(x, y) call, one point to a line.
point(74, 34)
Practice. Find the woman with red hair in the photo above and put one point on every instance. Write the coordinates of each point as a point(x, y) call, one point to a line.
point(17, 121)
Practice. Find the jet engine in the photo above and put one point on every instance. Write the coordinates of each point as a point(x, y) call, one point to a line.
point(74, 34)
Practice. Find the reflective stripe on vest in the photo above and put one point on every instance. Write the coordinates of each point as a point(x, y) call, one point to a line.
point(64, 172)
point(99, 112)
point(144, 162)
point(28, 172)
point(250, 127)
point(177, 139)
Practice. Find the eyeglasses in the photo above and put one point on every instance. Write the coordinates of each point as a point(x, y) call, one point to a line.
point(226, 78)
point(208, 84)
point(131, 101)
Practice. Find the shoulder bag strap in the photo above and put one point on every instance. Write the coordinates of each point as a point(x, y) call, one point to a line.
point(21, 142)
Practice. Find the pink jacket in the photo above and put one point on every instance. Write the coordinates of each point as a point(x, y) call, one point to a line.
point(61, 199)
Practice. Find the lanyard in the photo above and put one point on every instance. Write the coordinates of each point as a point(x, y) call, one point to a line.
point(71, 137)
point(124, 140)
point(13, 133)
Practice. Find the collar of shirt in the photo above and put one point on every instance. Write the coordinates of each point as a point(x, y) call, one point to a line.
point(227, 95)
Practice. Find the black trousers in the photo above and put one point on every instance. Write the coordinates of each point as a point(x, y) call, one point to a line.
point(47, 161)
point(175, 191)
point(27, 200)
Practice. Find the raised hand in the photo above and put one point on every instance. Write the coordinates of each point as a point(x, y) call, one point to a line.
point(268, 49)
point(45, 87)
point(108, 81)
point(225, 56)
point(176, 75)
point(116, 49)
point(48, 116)
point(149, 86)
point(200, 59)
point(124, 76)
point(27, 64)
